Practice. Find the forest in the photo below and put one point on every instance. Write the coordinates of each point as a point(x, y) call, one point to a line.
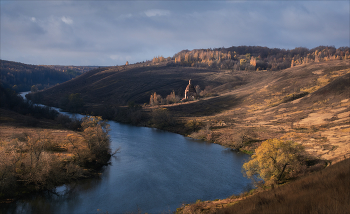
point(22, 77)
point(253, 58)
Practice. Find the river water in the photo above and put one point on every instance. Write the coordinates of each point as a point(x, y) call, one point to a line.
point(155, 171)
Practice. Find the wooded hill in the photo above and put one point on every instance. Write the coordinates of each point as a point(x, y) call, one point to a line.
point(21, 77)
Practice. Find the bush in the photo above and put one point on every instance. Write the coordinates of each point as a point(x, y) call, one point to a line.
point(203, 134)
point(161, 118)
point(193, 125)
point(68, 122)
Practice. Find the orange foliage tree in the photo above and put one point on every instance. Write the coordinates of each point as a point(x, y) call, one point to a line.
point(274, 161)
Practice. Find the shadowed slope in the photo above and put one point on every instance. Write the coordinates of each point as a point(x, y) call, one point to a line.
point(122, 84)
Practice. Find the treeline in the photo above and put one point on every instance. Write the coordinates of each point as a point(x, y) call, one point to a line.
point(71, 68)
point(256, 57)
point(156, 99)
point(21, 77)
point(72, 103)
point(10, 100)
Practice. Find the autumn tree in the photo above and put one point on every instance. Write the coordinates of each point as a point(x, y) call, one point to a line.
point(274, 161)
point(198, 89)
point(96, 136)
point(155, 99)
point(34, 88)
point(253, 61)
point(172, 98)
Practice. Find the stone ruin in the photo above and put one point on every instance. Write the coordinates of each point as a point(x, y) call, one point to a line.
point(190, 92)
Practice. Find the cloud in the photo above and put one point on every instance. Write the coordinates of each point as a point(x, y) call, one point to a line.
point(125, 16)
point(111, 32)
point(67, 20)
point(155, 12)
point(120, 58)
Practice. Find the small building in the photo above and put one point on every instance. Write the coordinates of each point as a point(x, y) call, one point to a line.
point(190, 92)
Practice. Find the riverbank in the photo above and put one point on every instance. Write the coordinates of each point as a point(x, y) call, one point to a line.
point(325, 191)
point(40, 154)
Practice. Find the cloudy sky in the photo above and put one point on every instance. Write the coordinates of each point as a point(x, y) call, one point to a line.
point(112, 32)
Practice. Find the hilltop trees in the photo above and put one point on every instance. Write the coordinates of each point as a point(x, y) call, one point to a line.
point(274, 161)
point(160, 59)
point(258, 58)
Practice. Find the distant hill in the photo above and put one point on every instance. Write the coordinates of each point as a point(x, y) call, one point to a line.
point(72, 68)
point(21, 77)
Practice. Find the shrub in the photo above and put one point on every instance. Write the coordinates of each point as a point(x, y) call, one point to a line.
point(68, 122)
point(161, 118)
point(193, 125)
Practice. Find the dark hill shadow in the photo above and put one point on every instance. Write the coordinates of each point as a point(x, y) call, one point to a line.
point(120, 85)
point(336, 90)
point(207, 107)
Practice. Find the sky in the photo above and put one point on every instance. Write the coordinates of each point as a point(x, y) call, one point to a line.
point(107, 33)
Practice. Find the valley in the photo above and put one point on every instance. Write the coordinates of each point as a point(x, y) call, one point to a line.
point(307, 103)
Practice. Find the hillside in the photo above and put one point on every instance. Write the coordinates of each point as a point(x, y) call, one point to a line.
point(307, 103)
point(21, 77)
point(122, 84)
point(325, 191)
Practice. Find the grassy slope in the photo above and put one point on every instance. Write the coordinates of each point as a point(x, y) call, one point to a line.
point(250, 106)
point(326, 191)
point(264, 108)
point(319, 120)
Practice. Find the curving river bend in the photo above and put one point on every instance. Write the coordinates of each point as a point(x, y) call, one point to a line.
point(155, 171)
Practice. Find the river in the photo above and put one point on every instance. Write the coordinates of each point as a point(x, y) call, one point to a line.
point(155, 171)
